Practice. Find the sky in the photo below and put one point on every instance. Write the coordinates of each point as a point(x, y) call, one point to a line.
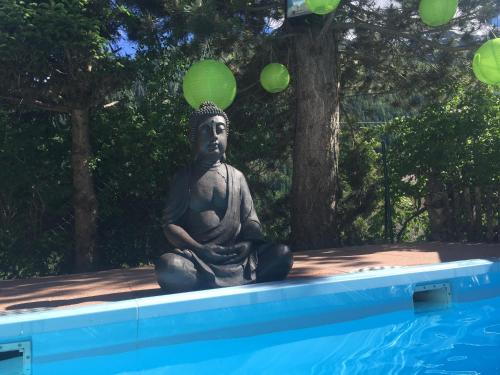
point(496, 21)
point(127, 48)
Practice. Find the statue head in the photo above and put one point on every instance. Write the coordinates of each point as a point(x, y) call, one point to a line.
point(209, 127)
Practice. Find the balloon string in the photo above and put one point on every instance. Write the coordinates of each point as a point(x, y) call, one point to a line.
point(206, 49)
point(496, 26)
point(493, 27)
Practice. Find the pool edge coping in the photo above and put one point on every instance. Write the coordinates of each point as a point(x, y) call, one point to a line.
point(28, 323)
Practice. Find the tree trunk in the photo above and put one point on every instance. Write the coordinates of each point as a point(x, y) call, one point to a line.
point(84, 198)
point(316, 145)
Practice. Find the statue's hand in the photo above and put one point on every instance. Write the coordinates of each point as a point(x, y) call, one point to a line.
point(240, 251)
point(216, 254)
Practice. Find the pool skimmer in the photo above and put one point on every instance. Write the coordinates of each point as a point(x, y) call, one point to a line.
point(430, 297)
point(15, 358)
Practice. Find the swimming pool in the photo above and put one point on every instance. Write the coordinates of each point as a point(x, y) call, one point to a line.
point(436, 319)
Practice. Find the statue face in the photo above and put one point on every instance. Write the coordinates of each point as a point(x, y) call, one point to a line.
point(211, 138)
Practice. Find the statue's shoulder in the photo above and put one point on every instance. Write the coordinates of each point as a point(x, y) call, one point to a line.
point(236, 172)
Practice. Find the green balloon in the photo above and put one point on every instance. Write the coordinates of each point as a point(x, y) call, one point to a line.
point(486, 63)
point(437, 12)
point(322, 6)
point(209, 80)
point(274, 78)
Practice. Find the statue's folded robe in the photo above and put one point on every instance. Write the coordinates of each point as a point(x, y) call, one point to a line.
point(232, 229)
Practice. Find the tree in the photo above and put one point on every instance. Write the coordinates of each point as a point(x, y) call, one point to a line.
point(58, 56)
point(35, 193)
point(359, 47)
point(137, 146)
point(449, 156)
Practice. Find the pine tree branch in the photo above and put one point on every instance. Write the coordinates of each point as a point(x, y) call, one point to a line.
point(248, 87)
point(36, 104)
point(407, 221)
point(359, 23)
point(378, 15)
point(261, 8)
point(359, 9)
point(327, 25)
point(382, 29)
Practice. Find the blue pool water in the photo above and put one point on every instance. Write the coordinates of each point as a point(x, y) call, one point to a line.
point(351, 324)
point(461, 340)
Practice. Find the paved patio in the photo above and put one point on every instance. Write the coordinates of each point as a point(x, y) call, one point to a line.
point(17, 296)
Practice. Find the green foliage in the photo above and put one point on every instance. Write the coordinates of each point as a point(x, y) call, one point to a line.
point(58, 54)
point(260, 146)
point(459, 140)
point(35, 194)
point(361, 204)
point(360, 181)
point(139, 144)
point(70, 24)
point(61, 53)
point(457, 143)
point(417, 229)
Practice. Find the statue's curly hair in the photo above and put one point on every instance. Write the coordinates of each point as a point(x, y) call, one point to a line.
point(207, 109)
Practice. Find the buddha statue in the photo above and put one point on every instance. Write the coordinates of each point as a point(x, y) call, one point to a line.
point(210, 219)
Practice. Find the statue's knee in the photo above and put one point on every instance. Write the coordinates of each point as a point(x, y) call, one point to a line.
point(284, 254)
point(275, 262)
point(170, 261)
point(176, 273)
